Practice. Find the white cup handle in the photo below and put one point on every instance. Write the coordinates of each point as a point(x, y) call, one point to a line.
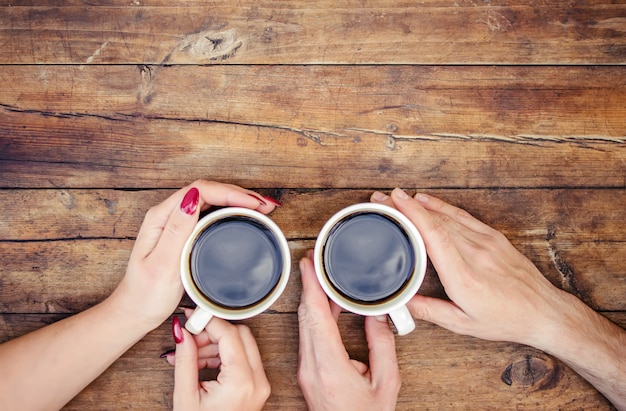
point(198, 321)
point(403, 320)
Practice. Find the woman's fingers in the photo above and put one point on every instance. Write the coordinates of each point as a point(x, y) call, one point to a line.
point(186, 371)
point(231, 348)
point(177, 229)
point(163, 217)
point(219, 194)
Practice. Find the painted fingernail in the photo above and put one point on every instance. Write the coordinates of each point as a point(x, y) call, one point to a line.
point(190, 201)
point(168, 353)
point(257, 198)
point(271, 200)
point(400, 194)
point(177, 331)
point(378, 196)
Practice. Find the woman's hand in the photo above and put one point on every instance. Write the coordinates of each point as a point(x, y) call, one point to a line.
point(241, 383)
point(329, 379)
point(151, 288)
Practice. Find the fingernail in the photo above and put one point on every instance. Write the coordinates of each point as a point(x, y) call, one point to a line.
point(168, 353)
point(380, 197)
point(301, 267)
point(400, 194)
point(190, 201)
point(381, 318)
point(177, 331)
point(271, 200)
point(257, 198)
point(422, 198)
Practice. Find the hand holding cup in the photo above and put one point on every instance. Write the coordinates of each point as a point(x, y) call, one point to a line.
point(371, 260)
point(235, 265)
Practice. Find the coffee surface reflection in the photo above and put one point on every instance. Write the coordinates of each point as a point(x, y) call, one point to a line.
point(368, 257)
point(236, 262)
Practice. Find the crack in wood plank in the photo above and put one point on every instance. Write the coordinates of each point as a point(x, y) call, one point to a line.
point(146, 92)
point(567, 275)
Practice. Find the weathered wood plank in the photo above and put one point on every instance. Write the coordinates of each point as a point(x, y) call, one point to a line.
point(576, 238)
point(322, 32)
point(290, 97)
point(582, 215)
point(516, 104)
point(313, 126)
point(438, 368)
point(70, 276)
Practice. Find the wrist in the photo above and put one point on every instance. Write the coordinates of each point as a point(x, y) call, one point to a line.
point(592, 346)
point(560, 324)
point(572, 331)
point(128, 317)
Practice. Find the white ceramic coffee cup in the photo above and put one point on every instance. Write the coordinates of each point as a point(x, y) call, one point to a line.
point(394, 306)
point(207, 309)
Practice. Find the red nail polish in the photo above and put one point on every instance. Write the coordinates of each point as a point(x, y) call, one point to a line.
point(190, 201)
point(257, 198)
point(271, 200)
point(177, 331)
point(168, 353)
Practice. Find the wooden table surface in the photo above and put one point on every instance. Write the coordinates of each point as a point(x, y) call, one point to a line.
point(514, 110)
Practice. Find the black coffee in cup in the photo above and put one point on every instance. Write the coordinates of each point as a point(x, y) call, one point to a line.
point(368, 257)
point(236, 262)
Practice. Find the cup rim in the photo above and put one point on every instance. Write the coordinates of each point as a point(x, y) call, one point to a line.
point(239, 313)
point(417, 243)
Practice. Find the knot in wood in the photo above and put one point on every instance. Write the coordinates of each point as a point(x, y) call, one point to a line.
point(533, 371)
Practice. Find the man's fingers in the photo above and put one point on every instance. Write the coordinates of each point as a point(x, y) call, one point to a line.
point(457, 214)
point(319, 334)
point(440, 246)
point(443, 313)
point(381, 198)
point(381, 342)
point(253, 354)
point(335, 310)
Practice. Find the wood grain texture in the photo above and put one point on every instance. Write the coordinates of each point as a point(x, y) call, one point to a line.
point(439, 369)
point(71, 276)
point(77, 252)
point(577, 215)
point(319, 32)
point(127, 126)
point(513, 110)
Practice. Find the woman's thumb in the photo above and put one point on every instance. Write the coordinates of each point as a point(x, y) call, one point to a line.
point(186, 366)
